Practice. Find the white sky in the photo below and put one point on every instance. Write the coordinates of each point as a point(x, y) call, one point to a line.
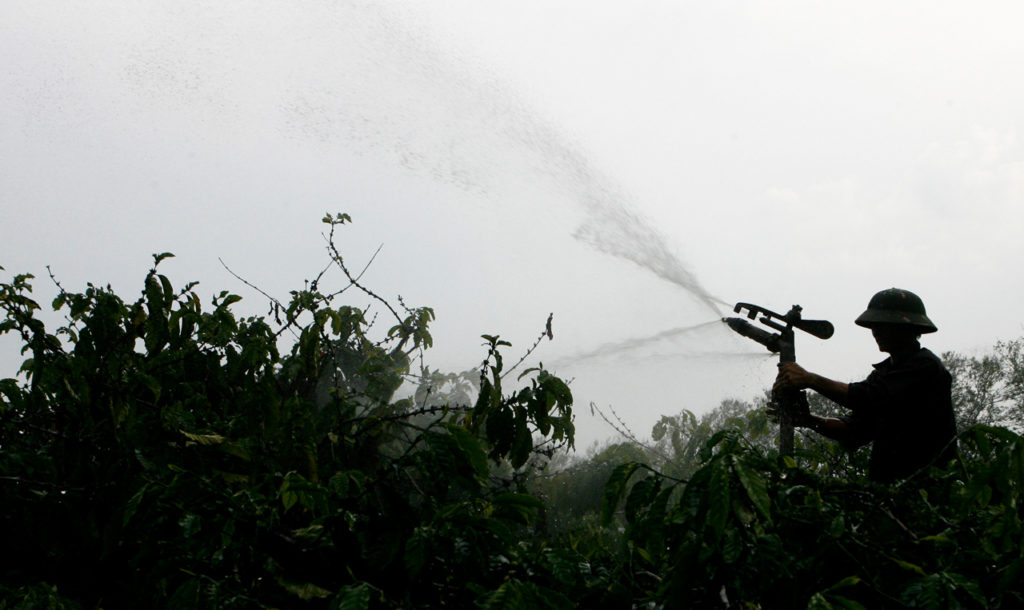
point(785, 151)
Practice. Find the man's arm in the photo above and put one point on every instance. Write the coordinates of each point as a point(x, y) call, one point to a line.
point(830, 427)
point(792, 376)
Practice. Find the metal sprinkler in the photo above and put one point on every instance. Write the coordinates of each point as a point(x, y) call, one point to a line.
point(783, 344)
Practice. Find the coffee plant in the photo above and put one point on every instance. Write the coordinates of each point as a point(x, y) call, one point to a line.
point(163, 452)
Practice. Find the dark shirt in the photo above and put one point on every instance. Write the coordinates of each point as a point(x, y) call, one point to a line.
point(905, 410)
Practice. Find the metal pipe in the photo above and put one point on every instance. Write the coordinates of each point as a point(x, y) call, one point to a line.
point(765, 338)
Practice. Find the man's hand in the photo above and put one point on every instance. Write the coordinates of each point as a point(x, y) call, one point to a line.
point(792, 376)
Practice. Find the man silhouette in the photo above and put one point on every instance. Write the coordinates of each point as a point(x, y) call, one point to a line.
point(904, 407)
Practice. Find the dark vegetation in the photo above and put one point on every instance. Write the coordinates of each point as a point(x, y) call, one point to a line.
point(156, 453)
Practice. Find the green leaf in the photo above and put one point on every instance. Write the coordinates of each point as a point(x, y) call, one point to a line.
point(514, 594)
point(522, 442)
point(566, 565)
point(168, 290)
point(755, 486)
point(969, 585)
point(483, 400)
point(288, 499)
point(312, 533)
point(521, 508)
point(506, 596)
point(204, 439)
point(906, 565)
point(718, 498)
point(416, 551)
point(190, 524)
point(821, 601)
point(939, 540)
point(926, 592)
point(1012, 577)
point(641, 495)
point(352, 597)
point(152, 384)
point(615, 489)
point(132, 505)
point(837, 527)
point(305, 591)
point(849, 581)
point(846, 603)
point(732, 546)
point(154, 293)
point(471, 448)
point(237, 450)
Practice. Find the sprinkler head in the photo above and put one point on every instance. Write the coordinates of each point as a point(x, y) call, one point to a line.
point(745, 328)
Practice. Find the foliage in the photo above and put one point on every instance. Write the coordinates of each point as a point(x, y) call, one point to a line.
point(679, 438)
point(163, 453)
point(749, 530)
point(575, 491)
point(710, 517)
point(157, 453)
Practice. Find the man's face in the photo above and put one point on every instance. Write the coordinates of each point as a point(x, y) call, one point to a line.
point(894, 337)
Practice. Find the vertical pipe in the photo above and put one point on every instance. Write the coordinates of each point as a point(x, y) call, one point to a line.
point(787, 354)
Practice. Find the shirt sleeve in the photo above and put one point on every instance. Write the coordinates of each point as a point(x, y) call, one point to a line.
point(885, 387)
point(859, 431)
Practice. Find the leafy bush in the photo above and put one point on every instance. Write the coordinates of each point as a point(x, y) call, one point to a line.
point(159, 454)
point(749, 530)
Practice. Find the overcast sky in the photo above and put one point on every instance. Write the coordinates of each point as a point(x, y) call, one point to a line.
point(588, 159)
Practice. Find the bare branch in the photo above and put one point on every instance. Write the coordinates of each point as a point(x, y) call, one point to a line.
point(545, 333)
point(274, 301)
point(623, 430)
point(336, 256)
point(365, 267)
point(249, 284)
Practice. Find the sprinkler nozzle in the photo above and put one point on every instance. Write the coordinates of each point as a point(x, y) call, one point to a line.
point(765, 338)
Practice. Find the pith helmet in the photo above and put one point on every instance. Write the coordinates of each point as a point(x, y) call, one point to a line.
point(896, 306)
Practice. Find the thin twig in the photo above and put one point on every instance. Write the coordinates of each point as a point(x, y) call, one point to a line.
point(316, 281)
point(53, 278)
point(379, 419)
point(44, 483)
point(620, 426)
point(249, 284)
point(414, 484)
point(546, 333)
point(355, 281)
point(277, 303)
point(367, 266)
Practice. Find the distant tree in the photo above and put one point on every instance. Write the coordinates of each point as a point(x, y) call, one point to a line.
point(679, 438)
point(989, 389)
point(574, 488)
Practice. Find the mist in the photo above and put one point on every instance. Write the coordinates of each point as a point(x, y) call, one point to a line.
point(632, 171)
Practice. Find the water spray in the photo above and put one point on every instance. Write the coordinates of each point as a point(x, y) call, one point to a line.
point(782, 343)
